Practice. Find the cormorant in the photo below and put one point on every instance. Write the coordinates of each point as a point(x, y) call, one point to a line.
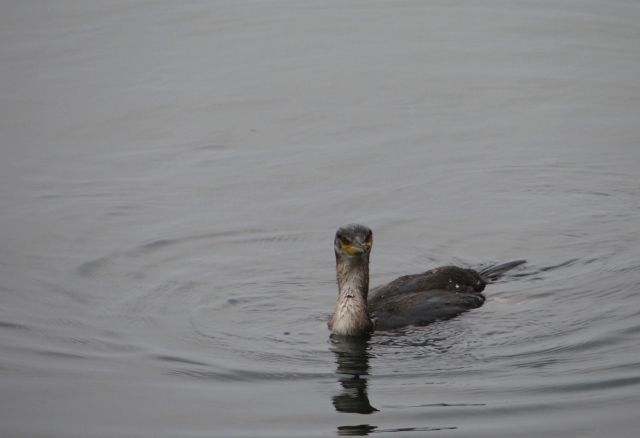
point(418, 299)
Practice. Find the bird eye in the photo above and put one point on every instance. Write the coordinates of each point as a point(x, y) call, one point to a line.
point(344, 240)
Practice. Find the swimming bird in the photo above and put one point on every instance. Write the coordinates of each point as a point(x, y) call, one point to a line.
point(418, 299)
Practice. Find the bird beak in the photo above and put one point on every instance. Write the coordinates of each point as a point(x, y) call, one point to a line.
point(355, 249)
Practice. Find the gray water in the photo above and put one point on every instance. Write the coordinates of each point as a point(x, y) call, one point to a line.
point(172, 174)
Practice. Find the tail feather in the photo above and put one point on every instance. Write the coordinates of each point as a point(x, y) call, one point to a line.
point(492, 273)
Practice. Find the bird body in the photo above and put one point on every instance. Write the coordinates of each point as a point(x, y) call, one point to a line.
point(418, 299)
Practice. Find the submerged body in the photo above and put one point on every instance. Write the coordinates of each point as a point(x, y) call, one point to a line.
point(418, 299)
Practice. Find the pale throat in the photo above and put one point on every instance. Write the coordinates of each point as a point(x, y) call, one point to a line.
point(353, 281)
point(351, 315)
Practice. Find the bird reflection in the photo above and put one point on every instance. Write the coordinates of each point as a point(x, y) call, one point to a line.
point(358, 430)
point(352, 370)
point(352, 359)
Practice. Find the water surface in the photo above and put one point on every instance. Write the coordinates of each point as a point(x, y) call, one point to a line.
point(171, 177)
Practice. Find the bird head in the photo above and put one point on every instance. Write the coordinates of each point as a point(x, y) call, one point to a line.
point(353, 240)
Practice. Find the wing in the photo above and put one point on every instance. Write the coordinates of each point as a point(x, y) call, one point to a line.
point(451, 278)
point(421, 308)
point(420, 299)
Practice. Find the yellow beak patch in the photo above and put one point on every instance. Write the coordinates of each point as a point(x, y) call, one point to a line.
point(354, 250)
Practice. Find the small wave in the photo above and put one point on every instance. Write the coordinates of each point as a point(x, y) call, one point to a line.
point(177, 359)
point(13, 326)
point(243, 375)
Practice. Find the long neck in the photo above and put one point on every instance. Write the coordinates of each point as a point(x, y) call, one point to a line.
point(351, 316)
